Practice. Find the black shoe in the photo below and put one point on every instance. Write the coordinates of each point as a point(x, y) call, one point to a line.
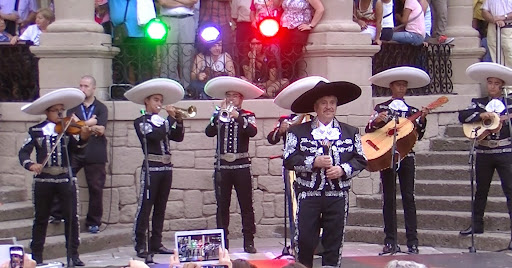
point(38, 258)
point(141, 253)
point(413, 249)
point(249, 248)
point(77, 262)
point(162, 250)
point(390, 248)
point(478, 230)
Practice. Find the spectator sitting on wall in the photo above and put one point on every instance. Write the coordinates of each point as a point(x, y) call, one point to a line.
point(102, 16)
point(261, 69)
point(4, 36)
point(44, 18)
point(210, 63)
point(412, 18)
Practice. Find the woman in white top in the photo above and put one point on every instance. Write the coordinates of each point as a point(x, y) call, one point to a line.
point(44, 18)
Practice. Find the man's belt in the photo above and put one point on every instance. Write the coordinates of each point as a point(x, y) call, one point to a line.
point(179, 16)
point(230, 157)
point(54, 170)
point(494, 143)
point(164, 159)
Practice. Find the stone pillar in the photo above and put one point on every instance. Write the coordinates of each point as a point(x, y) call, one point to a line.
point(73, 46)
point(338, 51)
point(466, 49)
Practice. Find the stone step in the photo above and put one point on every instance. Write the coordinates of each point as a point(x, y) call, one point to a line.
point(111, 237)
point(432, 220)
point(16, 211)
point(10, 194)
point(444, 158)
point(454, 131)
point(489, 241)
point(451, 188)
point(22, 229)
point(458, 173)
point(437, 203)
point(452, 144)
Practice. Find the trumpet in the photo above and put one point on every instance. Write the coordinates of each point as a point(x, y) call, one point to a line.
point(190, 112)
point(225, 114)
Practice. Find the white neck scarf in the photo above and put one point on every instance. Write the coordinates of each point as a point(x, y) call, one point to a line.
point(325, 132)
point(49, 129)
point(495, 106)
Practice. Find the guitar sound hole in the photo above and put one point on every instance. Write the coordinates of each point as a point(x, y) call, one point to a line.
point(487, 122)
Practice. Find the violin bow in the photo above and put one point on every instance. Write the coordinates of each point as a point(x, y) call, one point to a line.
point(56, 143)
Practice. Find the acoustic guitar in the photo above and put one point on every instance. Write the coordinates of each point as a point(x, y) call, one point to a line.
point(378, 144)
point(483, 128)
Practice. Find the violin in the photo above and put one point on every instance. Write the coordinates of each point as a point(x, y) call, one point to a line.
point(74, 128)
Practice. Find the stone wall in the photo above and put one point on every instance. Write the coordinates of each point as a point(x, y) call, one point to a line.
point(191, 202)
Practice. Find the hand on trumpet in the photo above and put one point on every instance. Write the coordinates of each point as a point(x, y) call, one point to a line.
point(174, 113)
point(233, 113)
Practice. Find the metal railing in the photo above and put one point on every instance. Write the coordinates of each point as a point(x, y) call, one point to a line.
point(265, 65)
point(19, 73)
point(433, 59)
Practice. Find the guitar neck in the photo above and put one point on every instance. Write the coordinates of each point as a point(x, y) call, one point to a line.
point(440, 101)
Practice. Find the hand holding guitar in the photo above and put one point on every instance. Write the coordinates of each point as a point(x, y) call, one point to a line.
point(424, 112)
point(486, 116)
point(382, 117)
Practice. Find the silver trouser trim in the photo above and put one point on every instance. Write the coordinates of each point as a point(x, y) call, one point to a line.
point(164, 168)
point(51, 180)
point(230, 157)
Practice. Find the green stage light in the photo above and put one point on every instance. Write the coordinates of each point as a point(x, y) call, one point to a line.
point(156, 30)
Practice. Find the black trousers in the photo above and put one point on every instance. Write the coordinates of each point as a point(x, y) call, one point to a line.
point(314, 212)
point(241, 179)
point(292, 51)
point(44, 193)
point(159, 188)
point(406, 175)
point(484, 170)
point(95, 175)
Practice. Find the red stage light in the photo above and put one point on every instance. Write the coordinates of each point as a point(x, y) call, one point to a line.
point(269, 27)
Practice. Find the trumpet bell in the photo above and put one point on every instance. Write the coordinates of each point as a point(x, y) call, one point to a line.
point(188, 112)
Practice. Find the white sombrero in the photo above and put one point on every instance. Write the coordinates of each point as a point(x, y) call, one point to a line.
point(218, 86)
point(289, 94)
point(482, 70)
point(415, 77)
point(171, 91)
point(69, 97)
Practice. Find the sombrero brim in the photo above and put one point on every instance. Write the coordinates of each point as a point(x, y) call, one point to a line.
point(218, 86)
point(69, 97)
point(289, 94)
point(344, 91)
point(171, 91)
point(482, 70)
point(415, 77)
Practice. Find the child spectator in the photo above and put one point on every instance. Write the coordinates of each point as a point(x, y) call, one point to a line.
point(4, 35)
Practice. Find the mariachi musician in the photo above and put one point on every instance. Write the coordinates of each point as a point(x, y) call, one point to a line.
point(494, 152)
point(399, 79)
point(325, 155)
point(155, 94)
point(52, 168)
point(233, 127)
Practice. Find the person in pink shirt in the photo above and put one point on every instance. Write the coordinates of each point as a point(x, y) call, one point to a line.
point(414, 20)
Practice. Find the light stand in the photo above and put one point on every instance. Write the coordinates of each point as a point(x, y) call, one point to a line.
point(147, 183)
point(73, 205)
point(395, 165)
point(472, 248)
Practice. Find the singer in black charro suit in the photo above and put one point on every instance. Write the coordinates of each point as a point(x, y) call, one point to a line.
point(325, 155)
point(399, 79)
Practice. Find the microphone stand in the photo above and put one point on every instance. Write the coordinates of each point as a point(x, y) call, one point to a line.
point(73, 204)
point(472, 248)
point(147, 183)
point(395, 165)
point(217, 179)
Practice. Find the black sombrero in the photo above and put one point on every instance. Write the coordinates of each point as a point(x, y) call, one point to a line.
point(344, 91)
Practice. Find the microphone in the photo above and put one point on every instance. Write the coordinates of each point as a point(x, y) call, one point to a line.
point(143, 112)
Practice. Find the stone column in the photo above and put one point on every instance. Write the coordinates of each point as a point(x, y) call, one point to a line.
point(338, 51)
point(73, 46)
point(466, 49)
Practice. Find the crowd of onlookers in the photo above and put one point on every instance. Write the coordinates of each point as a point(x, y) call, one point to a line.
point(241, 50)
